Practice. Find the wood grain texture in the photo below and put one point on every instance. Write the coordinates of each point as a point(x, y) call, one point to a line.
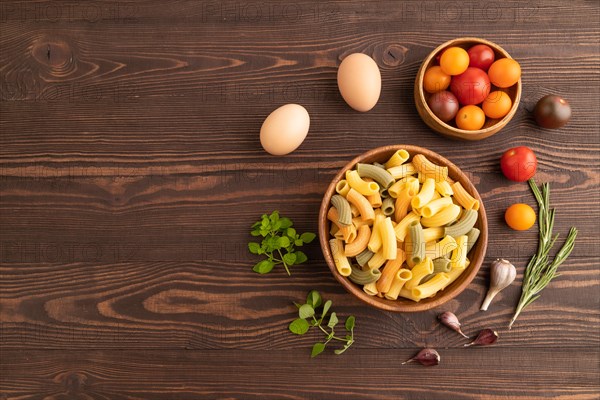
point(131, 170)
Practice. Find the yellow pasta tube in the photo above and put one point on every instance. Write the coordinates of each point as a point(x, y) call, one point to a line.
point(407, 294)
point(342, 187)
point(420, 271)
point(358, 244)
point(436, 250)
point(355, 211)
point(430, 170)
point(387, 275)
point(363, 205)
point(401, 228)
point(400, 279)
point(430, 234)
point(375, 200)
point(464, 198)
point(413, 184)
point(424, 195)
point(361, 186)
point(444, 188)
point(402, 171)
point(432, 286)
point(375, 241)
point(370, 289)
point(341, 262)
point(459, 254)
point(388, 239)
point(396, 188)
point(442, 217)
point(348, 231)
point(398, 158)
point(359, 222)
point(376, 261)
point(452, 275)
point(434, 206)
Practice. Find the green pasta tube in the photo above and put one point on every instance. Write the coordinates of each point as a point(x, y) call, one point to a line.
point(379, 175)
point(464, 225)
point(388, 206)
point(378, 165)
point(383, 192)
point(343, 208)
point(361, 277)
point(427, 278)
point(363, 258)
point(472, 237)
point(442, 264)
point(418, 244)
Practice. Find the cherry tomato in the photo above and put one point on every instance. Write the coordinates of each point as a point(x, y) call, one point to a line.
point(454, 61)
point(481, 56)
point(444, 105)
point(471, 87)
point(435, 80)
point(552, 112)
point(504, 72)
point(520, 217)
point(497, 104)
point(470, 118)
point(518, 164)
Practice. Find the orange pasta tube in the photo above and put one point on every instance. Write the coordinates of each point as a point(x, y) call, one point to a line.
point(360, 243)
point(464, 198)
point(388, 273)
point(363, 205)
point(348, 231)
point(429, 169)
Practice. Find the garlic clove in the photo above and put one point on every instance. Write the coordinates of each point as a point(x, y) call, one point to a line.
point(502, 274)
point(451, 321)
point(485, 338)
point(426, 357)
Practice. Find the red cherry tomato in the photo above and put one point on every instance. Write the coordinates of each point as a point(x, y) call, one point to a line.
point(471, 87)
point(518, 164)
point(481, 56)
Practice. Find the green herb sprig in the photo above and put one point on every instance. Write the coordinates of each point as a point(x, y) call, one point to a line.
point(279, 243)
point(311, 314)
point(540, 271)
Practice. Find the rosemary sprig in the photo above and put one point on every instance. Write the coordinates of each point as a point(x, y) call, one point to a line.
point(540, 271)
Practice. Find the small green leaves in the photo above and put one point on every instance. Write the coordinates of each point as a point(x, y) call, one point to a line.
point(279, 242)
point(263, 267)
point(307, 313)
point(317, 349)
point(299, 326)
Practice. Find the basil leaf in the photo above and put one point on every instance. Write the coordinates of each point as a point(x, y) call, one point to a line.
point(299, 326)
point(284, 242)
point(289, 258)
point(317, 349)
point(314, 299)
point(333, 320)
point(306, 311)
point(291, 232)
point(285, 222)
point(254, 247)
point(350, 323)
point(326, 308)
point(255, 233)
point(263, 267)
point(308, 237)
point(300, 257)
point(274, 216)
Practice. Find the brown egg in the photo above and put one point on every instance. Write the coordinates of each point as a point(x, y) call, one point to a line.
point(359, 81)
point(284, 129)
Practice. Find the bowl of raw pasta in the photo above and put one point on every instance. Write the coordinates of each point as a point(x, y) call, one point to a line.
point(403, 229)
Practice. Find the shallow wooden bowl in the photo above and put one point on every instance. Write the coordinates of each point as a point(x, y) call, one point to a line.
point(450, 130)
point(476, 255)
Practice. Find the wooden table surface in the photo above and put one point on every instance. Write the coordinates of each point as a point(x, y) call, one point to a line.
point(131, 171)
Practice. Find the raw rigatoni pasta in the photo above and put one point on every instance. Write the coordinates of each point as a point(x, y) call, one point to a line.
point(402, 229)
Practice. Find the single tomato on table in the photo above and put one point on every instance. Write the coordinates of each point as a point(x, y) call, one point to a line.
point(481, 56)
point(520, 217)
point(471, 87)
point(518, 164)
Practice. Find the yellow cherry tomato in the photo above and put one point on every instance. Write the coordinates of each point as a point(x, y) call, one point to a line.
point(520, 217)
point(497, 104)
point(436, 80)
point(470, 118)
point(454, 61)
point(504, 72)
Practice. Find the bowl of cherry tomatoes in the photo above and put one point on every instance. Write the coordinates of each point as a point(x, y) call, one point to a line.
point(468, 88)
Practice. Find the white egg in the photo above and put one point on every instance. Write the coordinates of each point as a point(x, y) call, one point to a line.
point(359, 81)
point(284, 129)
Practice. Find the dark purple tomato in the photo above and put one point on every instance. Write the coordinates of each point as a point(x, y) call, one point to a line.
point(552, 112)
point(471, 87)
point(444, 105)
point(481, 56)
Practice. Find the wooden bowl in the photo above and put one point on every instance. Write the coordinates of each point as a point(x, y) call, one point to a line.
point(476, 255)
point(491, 126)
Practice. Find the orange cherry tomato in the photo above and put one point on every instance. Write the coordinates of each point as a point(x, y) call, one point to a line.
point(436, 80)
point(470, 118)
point(504, 72)
point(454, 61)
point(497, 104)
point(520, 217)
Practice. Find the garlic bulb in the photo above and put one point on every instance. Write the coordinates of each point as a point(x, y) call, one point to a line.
point(502, 274)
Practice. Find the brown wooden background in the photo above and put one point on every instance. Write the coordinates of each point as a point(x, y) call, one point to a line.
point(131, 171)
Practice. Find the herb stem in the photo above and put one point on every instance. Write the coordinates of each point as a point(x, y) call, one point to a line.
point(329, 334)
point(284, 264)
